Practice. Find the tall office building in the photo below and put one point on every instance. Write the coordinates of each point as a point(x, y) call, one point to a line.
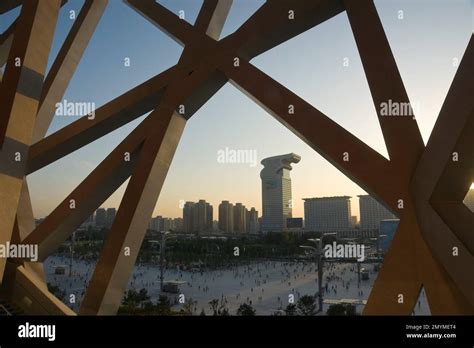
point(276, 191)
point(240, 224)
point(209, 217)
point(372, 212)
point(201, 216)
point(252, 221)
point(469, 200)
point(111, 212)
point(197, 217)
point(101, 217)
point(188, 217)
point(178, 224)
point(156, 223)
point(226, 217)
point(325, 214)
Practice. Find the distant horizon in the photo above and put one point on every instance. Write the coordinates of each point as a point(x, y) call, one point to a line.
point(248, 207)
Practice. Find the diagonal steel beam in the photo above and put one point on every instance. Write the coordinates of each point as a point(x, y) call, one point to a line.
point(19, 97)
point(212, 16)
point(116, 113)
point(66, 63)
point(402, 136)
point(317, 130)
point(177, 29)
point(114, 267)
point(105, 179)
point(8, 5)
point(271, 24)
point(453, 120)
point(6, 39)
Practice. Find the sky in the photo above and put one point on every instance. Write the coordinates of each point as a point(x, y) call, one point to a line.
point(426, 42)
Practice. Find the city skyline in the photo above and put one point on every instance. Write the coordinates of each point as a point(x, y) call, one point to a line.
point(252, 129)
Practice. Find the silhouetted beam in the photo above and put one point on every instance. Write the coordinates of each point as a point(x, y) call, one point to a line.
point(33, 296)
point(104, 180)
point(116, 113)
point(19, 97)
point(177, 29)
point(453, 185)
point(114, 267)
point(407, 266)
point(66, 62)
point(8, 5)
point(317, 130)
point(455, 114)
point(212, 16)
point(6, 39)
point(272, 25)
point(402, 136)
point(399, 260)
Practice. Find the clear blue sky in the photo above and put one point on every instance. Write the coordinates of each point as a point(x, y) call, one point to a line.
point(425, 42)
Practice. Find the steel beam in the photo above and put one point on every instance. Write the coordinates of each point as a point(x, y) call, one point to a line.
point(19, 96)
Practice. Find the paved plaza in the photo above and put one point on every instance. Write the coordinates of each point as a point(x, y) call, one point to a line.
point(267, 286)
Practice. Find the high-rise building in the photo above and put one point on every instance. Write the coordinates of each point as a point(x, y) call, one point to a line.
point(201, 221)
point(325, 214)
point(101, 217)
point(372, 212)
point(226, 217)
point(240, 224)
point(276, 191)
point(469, 200)
point(209, 217)
point(156, 223)
point(167, 224)
point(178, 224)
point(188, 217)
point(197, 217)
point(111, 212)
point(252, 221)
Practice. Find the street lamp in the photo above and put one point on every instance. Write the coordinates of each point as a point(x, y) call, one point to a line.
point(319, 253)
point(71, 249)
point(162, 257)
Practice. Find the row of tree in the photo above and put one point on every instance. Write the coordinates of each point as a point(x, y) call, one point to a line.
point(139, 303)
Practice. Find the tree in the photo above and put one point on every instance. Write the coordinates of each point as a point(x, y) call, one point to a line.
point(56, 291)
point(189, 307)
point(218, 308)
point(307, 305)
point(163, 306)
point(245, 310)
point(341, 309)
point(290, 310)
